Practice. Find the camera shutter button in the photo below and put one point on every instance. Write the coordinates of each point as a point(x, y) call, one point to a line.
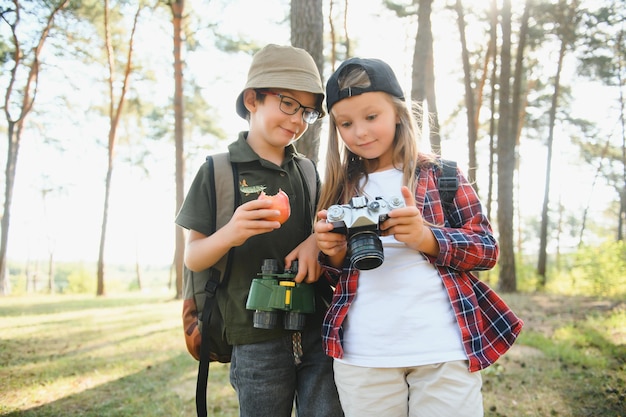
point(335, 213)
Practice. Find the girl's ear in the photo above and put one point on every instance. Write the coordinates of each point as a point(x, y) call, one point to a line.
point(249, 100)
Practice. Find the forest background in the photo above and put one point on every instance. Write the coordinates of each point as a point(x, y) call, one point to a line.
point(101, 167)
point(110, 107)
point(106, 124)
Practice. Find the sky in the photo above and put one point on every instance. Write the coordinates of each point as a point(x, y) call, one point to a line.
point(68, 222)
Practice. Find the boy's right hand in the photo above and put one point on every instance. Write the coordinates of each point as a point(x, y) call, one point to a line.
point(335, 245)
point(249, 220)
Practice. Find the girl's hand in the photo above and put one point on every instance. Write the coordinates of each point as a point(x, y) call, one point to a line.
point(334, 245)
point(406, 224)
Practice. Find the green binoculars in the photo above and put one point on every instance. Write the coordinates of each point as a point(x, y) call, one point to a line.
point(275, 293)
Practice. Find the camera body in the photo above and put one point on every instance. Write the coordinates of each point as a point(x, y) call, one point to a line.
point(273, 293)
point(360, 221)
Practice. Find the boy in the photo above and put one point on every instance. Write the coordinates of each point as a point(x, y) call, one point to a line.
point(270, 368)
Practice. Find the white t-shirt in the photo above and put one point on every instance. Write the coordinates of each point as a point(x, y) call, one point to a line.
point(401, 315)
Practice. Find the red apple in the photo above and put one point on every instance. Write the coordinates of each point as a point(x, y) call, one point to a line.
point(280, 202)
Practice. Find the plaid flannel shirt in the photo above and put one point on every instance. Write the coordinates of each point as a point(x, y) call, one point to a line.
point(488, 326)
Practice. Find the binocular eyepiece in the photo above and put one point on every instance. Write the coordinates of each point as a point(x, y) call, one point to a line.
point(274, 293)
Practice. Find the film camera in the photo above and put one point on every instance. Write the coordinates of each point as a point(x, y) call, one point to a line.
point(360, 222)
point(274, 293)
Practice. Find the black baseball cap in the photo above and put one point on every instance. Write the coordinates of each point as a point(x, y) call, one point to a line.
point(382, 78)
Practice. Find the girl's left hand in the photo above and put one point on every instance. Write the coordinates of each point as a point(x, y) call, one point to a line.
point(406, 224)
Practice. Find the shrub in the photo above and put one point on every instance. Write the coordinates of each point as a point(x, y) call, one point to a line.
point(80, 281)
point(594, 270)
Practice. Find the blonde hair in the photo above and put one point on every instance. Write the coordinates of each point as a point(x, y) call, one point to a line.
point(345, 169)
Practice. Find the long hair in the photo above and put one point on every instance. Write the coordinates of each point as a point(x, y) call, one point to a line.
point(345, 169)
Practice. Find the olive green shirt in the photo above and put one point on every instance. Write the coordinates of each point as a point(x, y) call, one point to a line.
point(254, 174)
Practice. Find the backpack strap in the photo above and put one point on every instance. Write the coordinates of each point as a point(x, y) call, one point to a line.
point(221, 210)
point(448, 184)
point(306, 167)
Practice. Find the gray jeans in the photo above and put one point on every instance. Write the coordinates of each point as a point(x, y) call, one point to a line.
point(268, 380)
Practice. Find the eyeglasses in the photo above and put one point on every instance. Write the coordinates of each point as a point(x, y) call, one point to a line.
point(290, 106)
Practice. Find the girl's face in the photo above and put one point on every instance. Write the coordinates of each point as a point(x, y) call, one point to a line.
point(367, 125)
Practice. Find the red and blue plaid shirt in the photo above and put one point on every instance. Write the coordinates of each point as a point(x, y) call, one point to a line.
point(488, 326)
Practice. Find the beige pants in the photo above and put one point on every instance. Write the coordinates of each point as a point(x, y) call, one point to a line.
point(441, 390)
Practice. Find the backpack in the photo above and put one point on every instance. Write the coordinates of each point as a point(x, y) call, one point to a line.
point(207, 342)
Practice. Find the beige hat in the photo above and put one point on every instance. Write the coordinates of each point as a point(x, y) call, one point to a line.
point(286, 67)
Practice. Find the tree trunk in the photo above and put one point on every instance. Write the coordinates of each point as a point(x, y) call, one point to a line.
point(621, 221)
point(333, 36)
point(545, 215)
point(423, 77)
point(100, 290)
point(493, 46)
point(307, 32)
point(178, 8)
point(518, 108)
point(518, 98)
point(15, 125)
point(138, 275)
point(114, 119)
point(470, 101)
point(596, 176)
point(51, 289)
point(9, 181)
point(345, 30)
point(506, 161)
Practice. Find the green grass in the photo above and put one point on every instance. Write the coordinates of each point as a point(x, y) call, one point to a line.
point(570, 360)
point(88, 356)
point(124, 355)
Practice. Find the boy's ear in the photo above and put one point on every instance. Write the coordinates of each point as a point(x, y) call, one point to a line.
point(249, 100)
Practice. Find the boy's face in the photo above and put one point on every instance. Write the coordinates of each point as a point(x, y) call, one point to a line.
point(269, 120)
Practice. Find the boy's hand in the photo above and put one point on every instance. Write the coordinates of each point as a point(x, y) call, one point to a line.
point(249, 220)
point(309, 270)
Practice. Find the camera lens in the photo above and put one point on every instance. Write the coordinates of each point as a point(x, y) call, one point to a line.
point(366, 251)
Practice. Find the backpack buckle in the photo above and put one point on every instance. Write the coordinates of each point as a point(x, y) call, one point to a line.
point(212, 283)
point(448, 183)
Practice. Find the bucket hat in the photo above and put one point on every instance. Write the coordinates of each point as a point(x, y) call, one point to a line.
point(287, 67)
point(382, 78)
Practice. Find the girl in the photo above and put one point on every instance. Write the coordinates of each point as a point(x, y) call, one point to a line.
point(409, 336)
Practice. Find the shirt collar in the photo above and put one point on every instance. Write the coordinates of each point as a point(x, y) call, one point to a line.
point(240, 150)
